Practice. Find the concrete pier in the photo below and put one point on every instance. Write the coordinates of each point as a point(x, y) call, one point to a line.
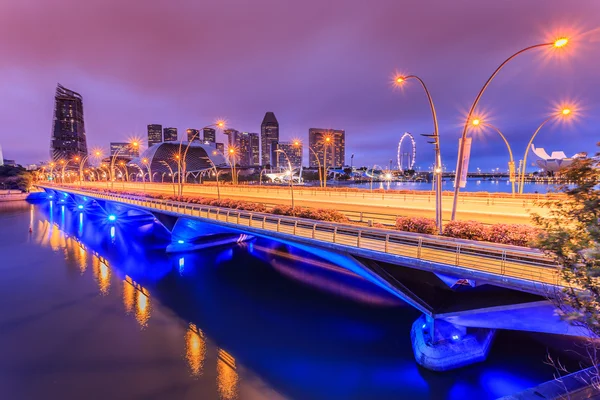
point(439, 345)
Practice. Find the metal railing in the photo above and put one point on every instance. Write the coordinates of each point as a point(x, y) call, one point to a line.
point(504, 260)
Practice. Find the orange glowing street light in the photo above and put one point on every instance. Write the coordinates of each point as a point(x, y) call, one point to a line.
point(561, 113)
point(400, 80)
point(479, 123)
point(558, 43)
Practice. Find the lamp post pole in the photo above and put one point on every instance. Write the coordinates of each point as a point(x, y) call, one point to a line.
point(511, 162)
point(565, 112)
point(461, 151)
point(319, 165)
point(291, 177)
point(438, 156)
point(183, 159)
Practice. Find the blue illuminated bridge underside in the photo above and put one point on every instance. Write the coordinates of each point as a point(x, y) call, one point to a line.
point(461, 306)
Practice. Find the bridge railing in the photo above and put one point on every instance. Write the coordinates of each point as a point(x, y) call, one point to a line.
point(509, 261)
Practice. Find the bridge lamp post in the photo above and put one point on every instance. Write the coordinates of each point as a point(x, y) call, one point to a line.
point(171, 174)
point(327, 139)
point(298, 143)
point(133, 144)
point(52, 165)
point(214, 167)
point(147, 163)
point(480, 124)
point(437, 171)
point(291, 176)
point(556, 44)
point(64, 164)
point(563, 113)
point(232, 152)
point(183, 163)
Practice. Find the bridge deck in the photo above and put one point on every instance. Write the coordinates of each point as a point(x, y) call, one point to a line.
point(507, 261)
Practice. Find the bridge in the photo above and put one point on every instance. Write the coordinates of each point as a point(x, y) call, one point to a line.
point(465, 290)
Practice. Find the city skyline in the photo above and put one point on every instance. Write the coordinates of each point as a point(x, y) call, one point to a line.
point(358, 98)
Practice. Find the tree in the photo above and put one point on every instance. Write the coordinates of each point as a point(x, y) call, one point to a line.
point(572, 236)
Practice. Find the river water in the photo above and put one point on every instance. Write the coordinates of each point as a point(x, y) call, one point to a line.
point(495, 185)
point(97, 310)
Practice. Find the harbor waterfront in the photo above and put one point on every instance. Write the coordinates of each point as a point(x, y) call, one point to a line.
point(122, 319)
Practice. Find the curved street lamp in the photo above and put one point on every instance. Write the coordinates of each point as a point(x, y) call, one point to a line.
point(62, 173)
point(166, 164)
point(216, 174)
point(298, 143)
point(436, 142)
point(563, 113)
point(558, 43)
point(327, 139)
point(479, 123)
point(291, 176)
point(132, 144)
point(182, 163)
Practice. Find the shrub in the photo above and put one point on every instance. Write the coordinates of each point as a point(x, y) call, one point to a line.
point(416, 225)
point(471, 230)
point(514, 234)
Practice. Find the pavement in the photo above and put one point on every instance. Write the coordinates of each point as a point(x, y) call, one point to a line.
point(374, 206)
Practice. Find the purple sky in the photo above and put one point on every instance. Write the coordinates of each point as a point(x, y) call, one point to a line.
point(314, 63)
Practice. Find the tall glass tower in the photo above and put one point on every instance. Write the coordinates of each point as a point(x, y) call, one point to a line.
point(269, 136)
point(154, 134)
point(68, 131)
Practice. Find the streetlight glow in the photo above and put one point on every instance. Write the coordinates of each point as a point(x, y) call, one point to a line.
point(561, 42)
point(566, 111)
point(476, 122)
point(400, 79)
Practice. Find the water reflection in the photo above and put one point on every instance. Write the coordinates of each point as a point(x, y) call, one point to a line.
point(253, 300)
point(227, 377)
point(195, 349)
point(136, 299)
point(102, 274)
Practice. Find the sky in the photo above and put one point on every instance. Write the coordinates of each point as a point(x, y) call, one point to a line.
point(314, 63)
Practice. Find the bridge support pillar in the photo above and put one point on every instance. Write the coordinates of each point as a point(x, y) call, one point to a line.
point(439, 345)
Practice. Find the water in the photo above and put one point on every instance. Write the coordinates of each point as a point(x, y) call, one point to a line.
point(499, 185)
point(96, 310)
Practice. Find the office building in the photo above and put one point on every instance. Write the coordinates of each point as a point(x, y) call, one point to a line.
point(210, 135)
point(170, 134)
point(233, 137)
point(220, 147)
point(154, 134)
point(124, 150)
point(193, 135)
point(336, 147)
point(269, 135)
point(68, 130)
point(293, 152)
point(254, 158)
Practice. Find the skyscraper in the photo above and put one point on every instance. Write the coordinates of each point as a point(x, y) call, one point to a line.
point(254, 158)
point(154, 134)
point(193, 135)
point(294, 153)
point(269, 134)
point(124, 150)
point(245, 149)
point(220, 147)
point(68, 133)
point(233, 137)
point(210, 135)
point(336, 147)
point(170, 134)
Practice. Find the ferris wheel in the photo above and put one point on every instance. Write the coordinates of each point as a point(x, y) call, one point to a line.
point(407, 158)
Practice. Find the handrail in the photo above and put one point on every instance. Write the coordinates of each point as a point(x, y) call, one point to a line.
point(505, 260)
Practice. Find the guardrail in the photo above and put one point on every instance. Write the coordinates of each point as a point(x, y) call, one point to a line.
point(489, 199)
point(509, 261)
